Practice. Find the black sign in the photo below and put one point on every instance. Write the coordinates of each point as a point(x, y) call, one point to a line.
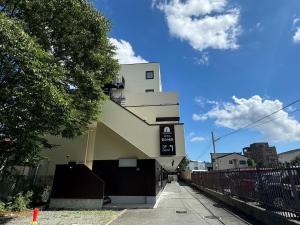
point(167, 140)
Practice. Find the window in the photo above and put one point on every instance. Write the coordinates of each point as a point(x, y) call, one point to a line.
point(230, 161)
point(196, 168)
point(149, 75)
point(242, 162)
point(149, 90)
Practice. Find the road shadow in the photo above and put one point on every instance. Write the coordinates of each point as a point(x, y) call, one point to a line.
point(5, 220)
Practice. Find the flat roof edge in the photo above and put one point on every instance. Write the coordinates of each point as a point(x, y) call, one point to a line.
point(139, 63)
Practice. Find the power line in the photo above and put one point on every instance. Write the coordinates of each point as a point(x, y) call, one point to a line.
point(256, 121)
point(276, 118)
point(206, 149)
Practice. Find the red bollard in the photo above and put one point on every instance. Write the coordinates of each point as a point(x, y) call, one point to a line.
point(35, 214)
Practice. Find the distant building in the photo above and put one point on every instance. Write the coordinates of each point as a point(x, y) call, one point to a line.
point(288, 156)
point(198, 165)
point(262, 153)
point(225, 161)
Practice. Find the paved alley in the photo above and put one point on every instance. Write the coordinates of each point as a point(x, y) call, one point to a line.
point(180, 204)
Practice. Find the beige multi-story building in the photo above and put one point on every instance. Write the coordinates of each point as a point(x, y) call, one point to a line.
point(138, 139)
point(262, 153)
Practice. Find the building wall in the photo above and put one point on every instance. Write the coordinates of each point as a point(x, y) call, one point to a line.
point(135, 77)
point(288, 156)
point(262, 152)
point(151, 98)
point(74, 148)
point(150, 113)
point(149, 106)
point(137, 132)
point(196, 165)
point(223, 162)
point(127, 181)
point(110, 146)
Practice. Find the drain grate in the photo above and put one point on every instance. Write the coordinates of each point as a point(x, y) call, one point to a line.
point(181, 211)
point(212, 217)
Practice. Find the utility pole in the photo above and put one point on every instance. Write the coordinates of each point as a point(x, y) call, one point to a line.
point(213, 141)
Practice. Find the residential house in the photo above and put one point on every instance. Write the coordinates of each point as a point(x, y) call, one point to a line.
point(288, 156)
point(225, 161)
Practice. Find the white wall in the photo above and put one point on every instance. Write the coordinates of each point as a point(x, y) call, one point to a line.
point(149, 106)
point(156, 98)
point(288, 156)
point(135, 77)
point(222, 163)
point(137, 132)
point(196, 165)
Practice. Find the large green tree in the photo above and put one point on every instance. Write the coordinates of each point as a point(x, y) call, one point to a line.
point(55, 57)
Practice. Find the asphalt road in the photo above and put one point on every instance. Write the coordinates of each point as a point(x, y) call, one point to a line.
point(180, 204)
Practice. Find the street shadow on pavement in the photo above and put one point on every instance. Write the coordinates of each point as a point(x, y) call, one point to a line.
point(5, 220)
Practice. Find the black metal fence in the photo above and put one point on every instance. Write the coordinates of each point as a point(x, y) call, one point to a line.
point(276, 189)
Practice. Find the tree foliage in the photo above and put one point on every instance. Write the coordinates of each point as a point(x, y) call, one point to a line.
point(296, 160)
point(183, 164)
point(251, 162)
point(54, 58)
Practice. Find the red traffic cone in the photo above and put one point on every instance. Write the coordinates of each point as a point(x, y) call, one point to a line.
point(35, 214)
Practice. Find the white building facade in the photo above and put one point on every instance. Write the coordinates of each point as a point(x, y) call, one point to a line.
point(138, 139)
point(288, 156)
point(225, 161)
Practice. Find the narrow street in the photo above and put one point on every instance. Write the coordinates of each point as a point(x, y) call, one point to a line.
point(180, 204)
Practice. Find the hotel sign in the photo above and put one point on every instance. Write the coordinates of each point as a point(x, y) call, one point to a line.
point(167, 140)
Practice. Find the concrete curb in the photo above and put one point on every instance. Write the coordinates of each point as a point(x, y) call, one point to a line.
point(260, 214)
point(116, 217)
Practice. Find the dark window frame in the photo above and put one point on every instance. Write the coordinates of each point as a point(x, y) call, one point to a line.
point(149, 90)
point(149, 78)
point(243, 162)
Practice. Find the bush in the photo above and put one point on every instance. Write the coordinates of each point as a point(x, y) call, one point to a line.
point(2, 206)
point(40, 194)
point(21, 202)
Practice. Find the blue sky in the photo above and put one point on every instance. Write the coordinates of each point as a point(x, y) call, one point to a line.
point(212, 50)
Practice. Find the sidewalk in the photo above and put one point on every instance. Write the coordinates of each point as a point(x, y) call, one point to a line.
point(181, 205)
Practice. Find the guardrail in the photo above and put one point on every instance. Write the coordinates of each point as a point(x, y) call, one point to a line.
point(276, 189)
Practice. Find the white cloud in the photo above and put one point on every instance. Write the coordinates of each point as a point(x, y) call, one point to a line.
point(193, 138)
point(125, 53)
point(296, 20)
point(296, 37)
point(201, 101)
point(296, 28)
point(203, 59)
point(202, 23)
point(278, 127)
point(197, 139)
point(199, 117)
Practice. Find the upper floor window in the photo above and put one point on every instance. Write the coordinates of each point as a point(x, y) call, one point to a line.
point(242, 162)
point(149, 75)
point(230, 161)
point(149, 90)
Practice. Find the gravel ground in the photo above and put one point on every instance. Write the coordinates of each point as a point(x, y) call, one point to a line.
point(65, 218)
